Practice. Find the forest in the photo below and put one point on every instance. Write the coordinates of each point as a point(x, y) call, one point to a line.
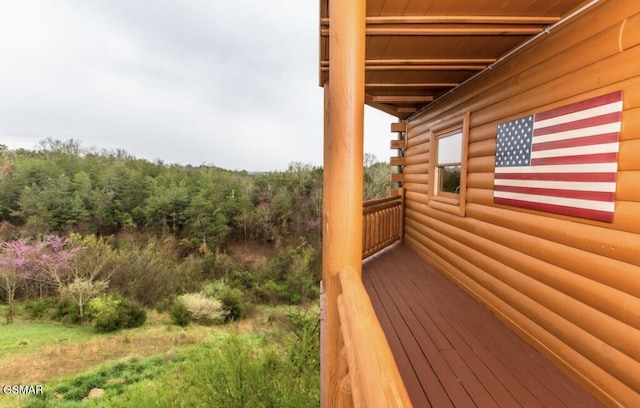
point(78, 223)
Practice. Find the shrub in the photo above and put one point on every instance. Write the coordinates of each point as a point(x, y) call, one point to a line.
point(103, 311)
point(240, 373)
point(111, 313)
point(39, 308)
point(243, 279)
point(179, 314)
point(202, 309)
point(290, 277)
point(152, 276)
point(270, 291)
point(131, 314)
point(66, 311)
point(213, 289)
point(300, 288)
point(299, 280)
point(233, 301)
point(304, 353)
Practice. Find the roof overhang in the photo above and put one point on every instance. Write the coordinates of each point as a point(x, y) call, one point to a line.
point(419, 50)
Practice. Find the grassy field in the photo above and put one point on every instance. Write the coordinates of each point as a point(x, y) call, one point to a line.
point(260, 361)
point(25, 336)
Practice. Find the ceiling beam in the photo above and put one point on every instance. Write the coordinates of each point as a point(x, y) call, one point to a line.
point(451, 31)
point(426, 68)
point(473, 25)
point(449, 64)
point(402, 99)
point(404, 109)
point(412, 85)
point(421, 68)
point(429, 61)
point(422, 61)
point(511, 20)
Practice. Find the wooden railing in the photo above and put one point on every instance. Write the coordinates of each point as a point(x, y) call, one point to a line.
point(364, 370)
point(373, 379)
point(382, 223)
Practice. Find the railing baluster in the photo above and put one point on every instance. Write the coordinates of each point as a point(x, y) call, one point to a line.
point(382, 224)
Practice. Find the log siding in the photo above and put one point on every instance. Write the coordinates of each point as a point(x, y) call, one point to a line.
point(569, 286)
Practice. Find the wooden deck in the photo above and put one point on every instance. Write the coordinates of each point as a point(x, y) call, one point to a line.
point(451, 351)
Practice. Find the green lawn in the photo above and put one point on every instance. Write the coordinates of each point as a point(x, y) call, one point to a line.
point(25, 336)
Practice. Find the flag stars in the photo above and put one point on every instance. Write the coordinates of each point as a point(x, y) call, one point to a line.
point(513, 142)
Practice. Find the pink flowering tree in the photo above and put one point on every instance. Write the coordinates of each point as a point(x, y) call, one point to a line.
point(47, 261)
point(55, 261)
point(18, 262)
point(78, 267)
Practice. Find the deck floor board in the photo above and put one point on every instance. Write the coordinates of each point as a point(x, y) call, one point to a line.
point(402, 356)
point(487, 370)
point(450, 350)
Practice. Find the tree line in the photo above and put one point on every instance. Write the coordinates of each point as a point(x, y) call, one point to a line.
point(62, 187)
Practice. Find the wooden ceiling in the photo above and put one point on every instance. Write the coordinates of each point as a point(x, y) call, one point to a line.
point(418, 50)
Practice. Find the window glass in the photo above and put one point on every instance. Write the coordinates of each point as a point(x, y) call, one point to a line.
point(450, 179)
point(450, 149)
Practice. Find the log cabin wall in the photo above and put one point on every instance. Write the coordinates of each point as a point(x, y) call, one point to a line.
point(569, 286)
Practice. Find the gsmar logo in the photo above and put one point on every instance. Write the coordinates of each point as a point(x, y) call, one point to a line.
point(21, 389)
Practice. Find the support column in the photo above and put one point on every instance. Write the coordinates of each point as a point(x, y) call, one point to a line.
point(343, 173)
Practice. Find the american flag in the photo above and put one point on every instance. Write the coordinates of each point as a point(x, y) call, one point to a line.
point(562, 161)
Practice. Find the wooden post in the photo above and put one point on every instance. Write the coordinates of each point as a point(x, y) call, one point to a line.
point(343, 173)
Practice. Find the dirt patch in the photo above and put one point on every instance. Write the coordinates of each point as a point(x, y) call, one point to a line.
point(252, 255)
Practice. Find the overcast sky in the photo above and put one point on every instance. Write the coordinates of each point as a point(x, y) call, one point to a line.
point(228, 83)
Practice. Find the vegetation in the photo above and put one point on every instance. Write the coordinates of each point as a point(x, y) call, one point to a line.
point(76, 224)
point(111, 313)
point(95, 242)
point(274, 361)
point(376, 178)
point(243, 372)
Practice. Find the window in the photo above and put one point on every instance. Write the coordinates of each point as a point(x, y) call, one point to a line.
point(448, 162)
point(447, 170)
